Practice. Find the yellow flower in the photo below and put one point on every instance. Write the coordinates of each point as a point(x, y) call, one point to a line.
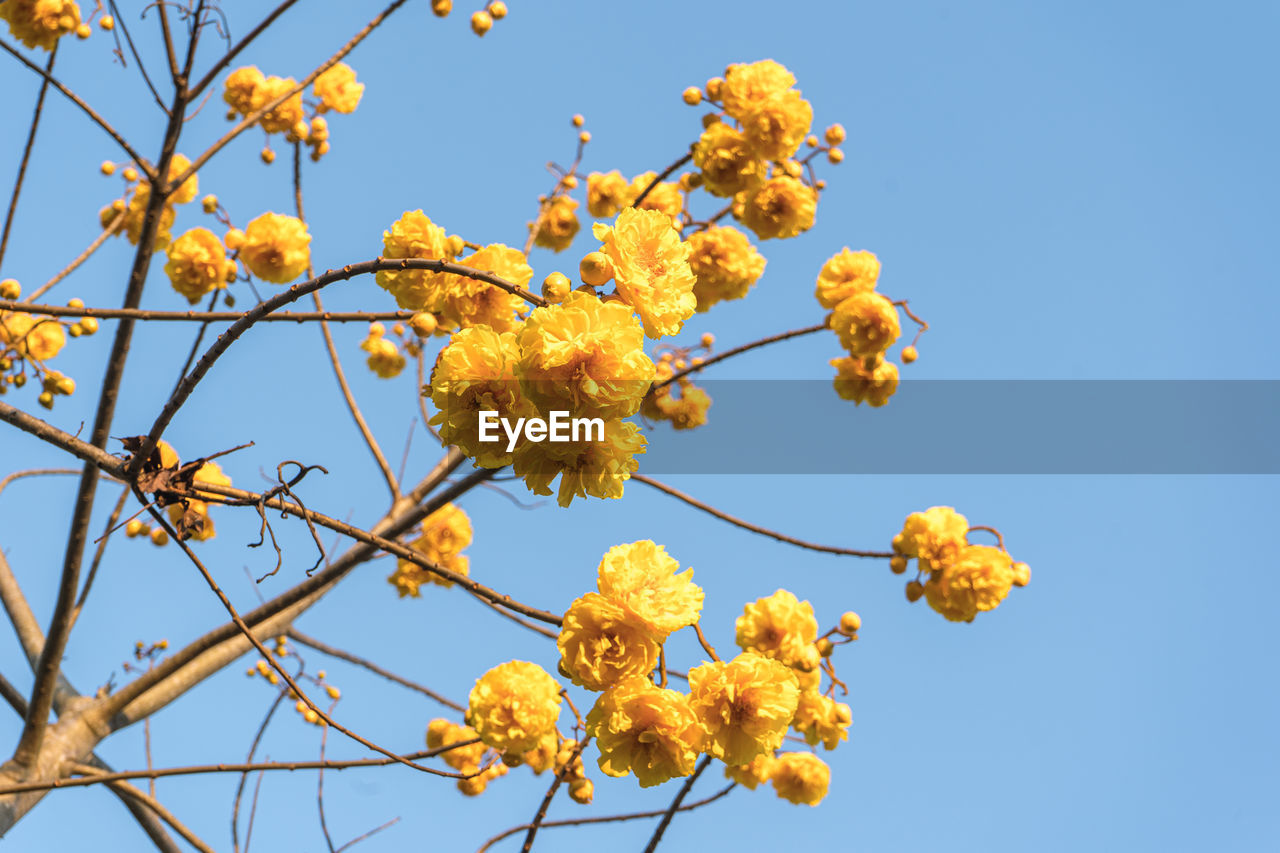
point(541, 757)
point(861, 384)
point(866, 323)
point(642, 577)
point(606, 193)
point(821, 718)
point(744, 705)
point(414, 235)
point(384, 357)
point(31, 335)
point(728, 165)
point(977, 580)
point(935, 536)
point(688, 411)
point(724, 263)
point(475, 785)
point(779, 627)
point(338, 90)
point(585, 467)
point(464, 759)
point(559, 224)
point(276, 248)
point(197, 264)
point(601, 643)
point(240, 87)
point(444, 534)
point(845, 274)
point(775, 127)
point(751, 776)
point(800, 777)
point(136, 212)
point(664, 197)
point(746, 86)
point(190, 187)
point(40, 23)
point(283, 117)
point(584, 356)
point(514, 706)
point(645, 730)
point(475, 373)
point(202, 528)
point(469, 302)
point(781, 207)
point(651, 269)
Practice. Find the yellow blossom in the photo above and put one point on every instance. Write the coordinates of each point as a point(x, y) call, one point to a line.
point(40, 23)
point(648, 582)
point(135, 213)
point(728, 165)
point(745, 705)
point(646, 730)
point(470, 302)
point(845, 274)
point(746, 86)
point(514, 705)
point(31, 335)
point(775, 127)
point(197, 264)
point(559, 224)
point(541, 757)
point(475, 372)
point(751, 776)
point(444, 534)
point(935, 536)
point(384, 356)
point(977, 580)
point(178, 164)
point(866, 323)
point(240, 87)
point(414, 235)
point(780, 627)
point(664, 197)
point(584, 356)
point(464, 759)
point(800, 777)
point(688, 411)
point(282, 118)
point(724, 263)
point(781, 207)
point(602, 642)
point(651, 269)
point(872, 385)
point(196, 512)
point(586, 467)
point(338, 90)
point(606, 193)
point(821, 718)
point(276, 248)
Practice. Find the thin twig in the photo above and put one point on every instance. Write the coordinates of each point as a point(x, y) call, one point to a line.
point(660, 177)
point(25, 307)
point(325, 648)
point(34, 472)
point(551, 792)
point(142, 68)
point(26, 153)
point(151, 803)
point(244, 776)
point(365, 835)
point(112, 227)
point(772, 339)
point(235, 51)
point(675, 805)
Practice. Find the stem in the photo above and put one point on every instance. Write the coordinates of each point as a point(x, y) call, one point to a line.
point(675, 805)
point(26, 154)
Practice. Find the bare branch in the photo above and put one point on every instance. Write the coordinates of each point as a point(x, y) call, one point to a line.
point(26, 153)
point(324, 648)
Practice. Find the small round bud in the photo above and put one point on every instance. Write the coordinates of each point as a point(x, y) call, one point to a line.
point(834, 134)
point(578, 120)
point(556, 287)
point(268, 156)
point(909, 355)
point(844, 714)
point(423, 324)
point(584, 137)
point(715, 86)
point(319, 128)
point(107, 168)
point(850, 623)
point(820, 184)
point(481, 23)
point(581, 791)
point(570, 182)
point(398, 330)
point(497, 10)
point(134, 528)
point(83, 31)
point(793, 168)
point(690, 181)
point(692, 96)
point(74, 330)
point(825, 647)
point(809, 660)
point(441, 8)
point(899, 543)
point(5, 364)
point(376, 329)
point(300, 130)
point(19, 380)
point(320, 675)
point(707, 340)
point(234, 239)
point(309, 715)
point(75, 302)
point(696, 361)
point(334, 693)
point(107, 22)
point(456, 244)
point(811, 141)
point(209, 203)
point(897, 564)
point(835, 155)
point(710, 119)
point(159, 536)
point(915, 589)
point(89, 325)
point(130, 174)
point(680, 364)
point(596, 269)
point(1021, 574)
point(10, 289)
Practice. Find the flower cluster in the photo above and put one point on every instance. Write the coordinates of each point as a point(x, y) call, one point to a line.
point(280, 652)
point(688, 409)
point(248, 91)
point(445, 533)
point(40, 23)
point(958, 579)
point(29, 341)
point(127, 215)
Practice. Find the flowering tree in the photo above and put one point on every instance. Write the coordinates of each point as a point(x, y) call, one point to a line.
point(558, 390)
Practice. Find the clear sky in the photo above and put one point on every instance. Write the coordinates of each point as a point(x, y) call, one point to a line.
point(1063, 190)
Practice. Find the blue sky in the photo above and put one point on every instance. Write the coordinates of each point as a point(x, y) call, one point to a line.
point(1064, 191)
